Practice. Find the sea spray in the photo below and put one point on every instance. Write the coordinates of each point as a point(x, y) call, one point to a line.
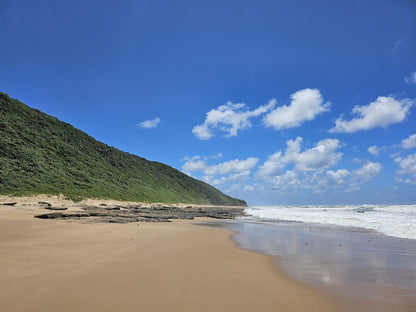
point(392, 220)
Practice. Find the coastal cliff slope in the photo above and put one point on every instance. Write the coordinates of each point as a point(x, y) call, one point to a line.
point(39, 154)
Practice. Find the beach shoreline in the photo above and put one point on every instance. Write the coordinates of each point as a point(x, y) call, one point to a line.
point(365, 270)
point(67, 265)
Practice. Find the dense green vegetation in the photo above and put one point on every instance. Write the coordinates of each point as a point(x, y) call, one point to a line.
point(40, 154)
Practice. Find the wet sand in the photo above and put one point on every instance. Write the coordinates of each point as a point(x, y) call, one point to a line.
point(58, 265)
point(367, 271)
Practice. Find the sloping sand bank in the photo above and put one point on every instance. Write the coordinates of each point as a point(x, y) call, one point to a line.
point(56, 265)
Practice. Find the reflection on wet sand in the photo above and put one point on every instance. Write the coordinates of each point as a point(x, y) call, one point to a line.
point(372, 271)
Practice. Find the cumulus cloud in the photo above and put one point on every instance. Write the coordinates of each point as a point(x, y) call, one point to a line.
point(407, 164)
point(197, 163)
point(367, 172)
point(305, 105)
point(234, 172)
point(352, 180)
point(236, 177)
point(202, 132)
point(337, 177)
point(148, 124)
point(229, 118)
point(235, 166)
point(410, 142)
point(193, 164)
point(380, 113)
point(287, 181)
point(323, 180)
point(411, 78)
point(295, 169)
point(272, 166)
point(322, 156)
point(230, 175)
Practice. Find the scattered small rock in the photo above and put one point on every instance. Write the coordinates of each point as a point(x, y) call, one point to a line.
point(52, 215)
point(9, 204)
point(45, 203)
point(112, 208)
point(59, 215)
point(55, 208)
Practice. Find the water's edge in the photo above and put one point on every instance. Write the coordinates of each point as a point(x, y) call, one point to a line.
point(360, 266)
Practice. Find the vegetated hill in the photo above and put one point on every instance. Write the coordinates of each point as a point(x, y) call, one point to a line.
point(40, 154)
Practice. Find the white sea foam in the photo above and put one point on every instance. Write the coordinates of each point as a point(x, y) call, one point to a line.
point(392, 220)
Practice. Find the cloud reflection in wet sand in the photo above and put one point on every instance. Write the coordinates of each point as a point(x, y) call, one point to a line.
point(372, 270)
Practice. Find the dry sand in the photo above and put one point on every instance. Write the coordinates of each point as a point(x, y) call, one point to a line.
point(56, 265)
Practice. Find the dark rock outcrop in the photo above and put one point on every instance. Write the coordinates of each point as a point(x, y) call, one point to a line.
point(45, 203)
point(144, 213)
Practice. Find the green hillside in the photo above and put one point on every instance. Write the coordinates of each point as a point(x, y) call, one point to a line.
point(40, 154)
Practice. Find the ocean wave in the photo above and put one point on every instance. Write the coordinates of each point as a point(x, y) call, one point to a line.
point(392, 220)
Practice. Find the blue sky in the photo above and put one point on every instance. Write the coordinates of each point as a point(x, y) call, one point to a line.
point(276, 102)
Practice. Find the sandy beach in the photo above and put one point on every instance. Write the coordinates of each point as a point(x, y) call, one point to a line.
point(59, 265)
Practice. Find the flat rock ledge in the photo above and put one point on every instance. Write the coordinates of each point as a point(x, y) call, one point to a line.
point(142, 213)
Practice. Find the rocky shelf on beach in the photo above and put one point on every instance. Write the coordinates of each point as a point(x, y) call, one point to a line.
point(139, 212)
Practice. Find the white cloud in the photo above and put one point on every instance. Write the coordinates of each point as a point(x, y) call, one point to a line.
point(197, 163)
point(219, 155)
point(229, 118)
point(193, 164)
point(352, 180)
point(322, 156)
point(236, 177)
point(202, 132)
point(410, 142)
point(374, 150)
point(407, 167)
point(288, 180)
point(249, 188)
point(220, 175)
point(407, 164)
point(234, 171)
point(232, 166)
point(309, 168)
point(305, 105)
point(148, 124)
point(322, 181)
point(272, 166)
point(411, 78)
point(405, 181)
point(380, 113)
point(337, 177)
point(367, 172)
point(217, 182)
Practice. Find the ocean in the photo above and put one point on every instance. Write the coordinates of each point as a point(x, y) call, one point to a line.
point(392, 220)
